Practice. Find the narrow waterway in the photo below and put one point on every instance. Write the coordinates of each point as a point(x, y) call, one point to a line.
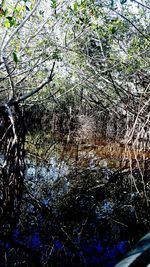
point(78, 206)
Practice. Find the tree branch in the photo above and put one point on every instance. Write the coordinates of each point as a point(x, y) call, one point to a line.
point(122, 16)
point(34, 91)
point(141, 4)
point(19, 27)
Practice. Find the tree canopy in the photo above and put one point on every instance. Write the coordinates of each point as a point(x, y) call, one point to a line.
point(94, 50)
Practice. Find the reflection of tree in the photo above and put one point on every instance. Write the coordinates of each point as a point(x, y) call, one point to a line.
point(101, 81)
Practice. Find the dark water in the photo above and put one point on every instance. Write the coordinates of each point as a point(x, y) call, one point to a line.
point(83, 234)
point(91, 252)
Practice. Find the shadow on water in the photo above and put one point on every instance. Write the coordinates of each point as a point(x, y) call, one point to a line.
point(79, 208)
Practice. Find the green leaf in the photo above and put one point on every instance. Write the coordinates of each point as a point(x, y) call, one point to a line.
point(7, 23)
point(75, 7)
point(113, 30)
point(56, 54)
point(54, 4)
point(11, 20)
point(15, 58)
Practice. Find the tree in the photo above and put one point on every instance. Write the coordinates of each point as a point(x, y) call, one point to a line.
point(100, 52)
point(20, 61)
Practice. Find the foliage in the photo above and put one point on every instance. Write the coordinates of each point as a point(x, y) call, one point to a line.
point(61, 61)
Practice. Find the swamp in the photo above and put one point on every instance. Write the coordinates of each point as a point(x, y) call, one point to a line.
point(74, 133)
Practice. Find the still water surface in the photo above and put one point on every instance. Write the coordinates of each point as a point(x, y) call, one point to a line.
point(34, 229)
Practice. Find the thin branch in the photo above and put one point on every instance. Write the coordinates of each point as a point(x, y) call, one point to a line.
point(141, 4)
point(20, 26)
point(122, 16)
point(10, 78)
point(34, 91)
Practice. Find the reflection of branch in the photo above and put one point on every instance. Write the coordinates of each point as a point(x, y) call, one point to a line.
point(25, 248)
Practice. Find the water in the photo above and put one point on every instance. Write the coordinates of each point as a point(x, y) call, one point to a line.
point(88, 252)
point(46, 173)
point(68, 215)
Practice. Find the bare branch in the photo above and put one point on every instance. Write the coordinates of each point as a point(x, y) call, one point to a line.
point(122, 16)
point(141, 4)
point(34, 91)
point(10, 78)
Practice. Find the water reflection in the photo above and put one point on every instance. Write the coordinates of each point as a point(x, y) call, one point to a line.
point(49, 172)
point(67, 211)
point(103, 154)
